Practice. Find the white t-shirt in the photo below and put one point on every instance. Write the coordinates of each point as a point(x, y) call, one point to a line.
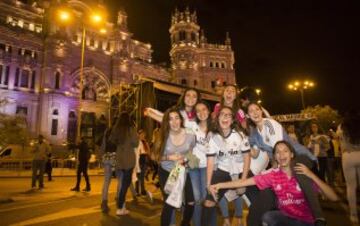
point(201, 145)
point(271, 132)
point(229, 151)
point(189, 124)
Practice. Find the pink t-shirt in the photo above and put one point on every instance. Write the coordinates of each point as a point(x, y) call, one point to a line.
point(291, 199)
point(240, 115)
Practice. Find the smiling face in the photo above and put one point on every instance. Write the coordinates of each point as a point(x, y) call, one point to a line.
point(202, 112)
point(229, 95)
point(255, 113)
point(283, 155)
point(225, 119)
point(190, 98)
point(175, 121)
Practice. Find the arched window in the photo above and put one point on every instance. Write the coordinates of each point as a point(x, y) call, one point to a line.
point(54, 122)
point(193, 36)
point(182, 35)
point(57, 80)
point(211, 64)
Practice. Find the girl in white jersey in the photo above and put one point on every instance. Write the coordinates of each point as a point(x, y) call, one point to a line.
point(186, 104)
point(198, 175)
point(271, 132)
point(229, 147)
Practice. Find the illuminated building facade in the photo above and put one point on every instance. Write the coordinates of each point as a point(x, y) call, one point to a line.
point(40, 64)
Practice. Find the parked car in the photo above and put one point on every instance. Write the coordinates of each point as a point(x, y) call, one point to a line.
point(16, 151)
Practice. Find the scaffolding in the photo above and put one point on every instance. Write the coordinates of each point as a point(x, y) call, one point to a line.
point(133, 98)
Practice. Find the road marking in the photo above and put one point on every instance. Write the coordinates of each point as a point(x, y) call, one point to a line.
point(63, 199)
point(73, 212)
point(69, 213)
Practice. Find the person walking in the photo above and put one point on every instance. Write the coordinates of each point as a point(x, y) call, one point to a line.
point(83, 162)
point(48, 167)
point(40, 151)
point(124, 136)
point(108, 153)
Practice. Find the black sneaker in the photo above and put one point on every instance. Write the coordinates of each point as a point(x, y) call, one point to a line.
point(320, 222)
point(87, 189)
point(75, 189)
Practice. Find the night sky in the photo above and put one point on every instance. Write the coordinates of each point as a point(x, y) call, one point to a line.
point(275, 41)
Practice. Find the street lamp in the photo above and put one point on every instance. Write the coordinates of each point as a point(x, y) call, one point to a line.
point(301, 86)
point(95, 18)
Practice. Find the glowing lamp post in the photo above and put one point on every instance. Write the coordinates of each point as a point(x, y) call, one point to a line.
point(92, 18)
point(301, 86)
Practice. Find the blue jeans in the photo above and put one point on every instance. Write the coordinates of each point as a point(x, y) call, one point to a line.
point(224, 207)
point(107, 180)
point(277, 218)
point(124, 175)
point(198, 181)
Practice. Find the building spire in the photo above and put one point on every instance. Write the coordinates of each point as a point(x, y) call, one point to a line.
point(227, 40)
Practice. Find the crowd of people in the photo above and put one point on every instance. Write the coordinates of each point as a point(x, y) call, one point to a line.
point(232, 153)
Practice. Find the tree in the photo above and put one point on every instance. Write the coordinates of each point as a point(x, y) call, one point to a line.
point(326, 116)
point(13, 129)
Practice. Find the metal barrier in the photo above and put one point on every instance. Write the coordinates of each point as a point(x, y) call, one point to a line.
point(25, 164)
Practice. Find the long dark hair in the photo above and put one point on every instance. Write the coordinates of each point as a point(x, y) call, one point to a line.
point(121, 130)
point(209, 120)
point(234, 126)
point(290, 147)
point(165, 130)
point(236, 104)
point(181, 102)
point(350, 126)
point(249, 121)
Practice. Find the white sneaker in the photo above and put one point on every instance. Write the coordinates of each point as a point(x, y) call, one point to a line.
point(122, 212)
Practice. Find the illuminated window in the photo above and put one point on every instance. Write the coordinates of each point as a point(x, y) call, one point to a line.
point(31, 27)
point(21, 23)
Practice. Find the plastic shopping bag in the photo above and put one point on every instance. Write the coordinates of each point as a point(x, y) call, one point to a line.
point(173, 177)
point(176, 196)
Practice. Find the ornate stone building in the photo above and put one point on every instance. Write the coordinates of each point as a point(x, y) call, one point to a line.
point(40, 63)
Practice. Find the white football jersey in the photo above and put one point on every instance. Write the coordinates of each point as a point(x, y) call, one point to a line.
point(229, 151)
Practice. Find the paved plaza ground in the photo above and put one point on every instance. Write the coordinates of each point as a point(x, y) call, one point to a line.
point(57, 205)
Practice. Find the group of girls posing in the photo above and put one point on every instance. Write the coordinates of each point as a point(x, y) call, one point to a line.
point(232, 147)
